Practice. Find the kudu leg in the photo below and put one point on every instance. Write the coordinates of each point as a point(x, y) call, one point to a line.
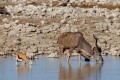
point(70, 52)
point(79, 56)
point(60, 51)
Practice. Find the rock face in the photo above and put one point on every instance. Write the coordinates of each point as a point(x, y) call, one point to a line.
point(53, 55)
point(114, 52)
point(34, 28)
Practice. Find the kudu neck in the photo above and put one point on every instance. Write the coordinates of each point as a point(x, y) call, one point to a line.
point(87, 47)
point(96, 43)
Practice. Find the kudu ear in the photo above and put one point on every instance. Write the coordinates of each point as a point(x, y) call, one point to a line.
point(96, 45)
point(93, 48)
point(95, 37)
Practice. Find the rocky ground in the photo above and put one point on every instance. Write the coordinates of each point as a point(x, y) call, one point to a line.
point(33, 27)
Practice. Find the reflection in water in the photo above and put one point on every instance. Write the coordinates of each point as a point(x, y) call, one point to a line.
point(22, 69)
point(52, 69)
point(85, 72)
point(115, 57)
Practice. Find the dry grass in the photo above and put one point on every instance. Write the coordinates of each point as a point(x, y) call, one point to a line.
point(6, 4)
point(28, 20)
point(55, 3)
point(37, 21)
point(91, 5)
point(4, 16)
point(34, 3)
point(82, 5)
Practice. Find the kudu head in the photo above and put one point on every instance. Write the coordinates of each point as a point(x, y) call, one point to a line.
point(97, 50)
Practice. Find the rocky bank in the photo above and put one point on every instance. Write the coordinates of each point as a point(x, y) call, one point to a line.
point(33, 27)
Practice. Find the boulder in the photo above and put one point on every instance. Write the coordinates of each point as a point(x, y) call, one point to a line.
point(114, 52)
point(5, 20)
point(6, 26)
point(53, 55)
point(101, 26)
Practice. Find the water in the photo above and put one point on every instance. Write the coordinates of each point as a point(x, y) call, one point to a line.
point(54, 69)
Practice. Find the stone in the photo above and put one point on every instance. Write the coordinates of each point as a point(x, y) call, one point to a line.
point(6, 26)
point(118, 32)
point(31, 29)
point(16, 21)
point(73, 29)
point(114, 52)
point(116, 14)
point(2, 53)
point(89, 0)
point(101, 26)
point(17, 41)
point(65, 29)
point(63, 21)
point(54, 2)
point(5, 20)
point(53, 55)
point(30, 55)
point(34, 49)
point(75, 53)
point(43, 22)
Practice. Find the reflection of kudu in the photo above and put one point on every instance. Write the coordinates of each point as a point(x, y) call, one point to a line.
point(81, 73)
point(76, 41)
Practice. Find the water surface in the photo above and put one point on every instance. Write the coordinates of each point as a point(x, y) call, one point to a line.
point(54, 69)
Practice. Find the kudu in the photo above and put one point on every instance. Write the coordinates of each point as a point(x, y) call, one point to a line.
point(76, 41)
